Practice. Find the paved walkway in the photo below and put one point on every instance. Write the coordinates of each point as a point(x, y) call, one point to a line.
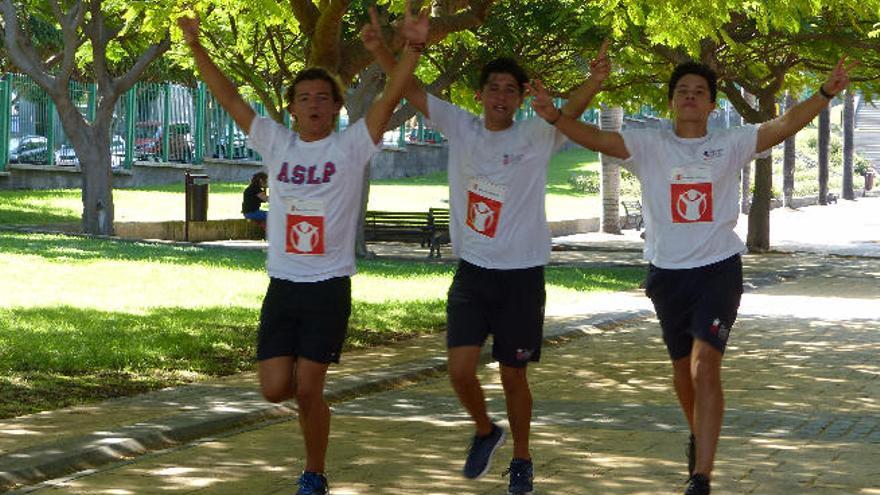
point(802, 406)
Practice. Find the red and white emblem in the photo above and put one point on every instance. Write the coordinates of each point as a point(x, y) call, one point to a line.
point(305, 227)
point(485, 202)
point(691, 195)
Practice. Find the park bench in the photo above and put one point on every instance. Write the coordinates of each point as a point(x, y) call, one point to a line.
point(428, 228)
point(633, 213)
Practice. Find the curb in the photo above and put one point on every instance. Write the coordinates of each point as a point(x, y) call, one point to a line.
point(46, 462)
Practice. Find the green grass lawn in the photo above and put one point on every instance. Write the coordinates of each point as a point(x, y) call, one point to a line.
point(160, 203)
point(84, 319)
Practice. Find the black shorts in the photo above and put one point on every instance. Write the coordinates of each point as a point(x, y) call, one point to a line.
point(697, 303)
point(305, 319)
point(509, 304)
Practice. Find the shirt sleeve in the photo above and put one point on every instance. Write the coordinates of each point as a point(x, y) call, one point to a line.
point(745, 140)
point(265, 135)
point(636, 142)
point(448, 118)
point(357, 143)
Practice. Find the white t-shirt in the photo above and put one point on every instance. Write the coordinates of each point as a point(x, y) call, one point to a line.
point(690, 192)
point(314, 199)
point(497, 181)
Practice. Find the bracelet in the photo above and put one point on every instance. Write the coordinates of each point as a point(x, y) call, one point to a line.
point(416, 47)
point(554, 121)
point(826, 94)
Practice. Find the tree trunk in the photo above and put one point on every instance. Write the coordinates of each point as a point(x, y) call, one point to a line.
point(788, 160)
point(758, 238)
point(745, 190)
point(357, 104)
point(824, 142)
point(610, 119)
point(92, 145)
point(848, 125)
point(97, 185)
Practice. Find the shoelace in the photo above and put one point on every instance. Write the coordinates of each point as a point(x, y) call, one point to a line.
point(516, 475)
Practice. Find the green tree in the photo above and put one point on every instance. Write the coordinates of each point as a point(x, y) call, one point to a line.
point(761, 47)
point(97, 35)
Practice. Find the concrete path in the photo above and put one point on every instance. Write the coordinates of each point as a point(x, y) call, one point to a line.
point(803, 414)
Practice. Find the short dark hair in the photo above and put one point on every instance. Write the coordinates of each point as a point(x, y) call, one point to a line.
point(504, 65)
point(698, 69)
point(257, 177)
point(316, 74)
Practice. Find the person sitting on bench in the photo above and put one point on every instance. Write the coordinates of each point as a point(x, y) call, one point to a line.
point(254, 196)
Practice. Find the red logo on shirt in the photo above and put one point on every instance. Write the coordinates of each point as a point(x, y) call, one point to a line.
point(305, 234)
point(692, 202)
point(483, 213)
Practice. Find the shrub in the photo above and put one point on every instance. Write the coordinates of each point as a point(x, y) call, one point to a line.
point(585, 182)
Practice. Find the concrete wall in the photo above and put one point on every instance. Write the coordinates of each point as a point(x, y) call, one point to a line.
point(211, 230)
point(414, 160)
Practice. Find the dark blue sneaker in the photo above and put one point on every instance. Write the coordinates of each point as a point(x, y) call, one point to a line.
point(521, 475)
point(312, 484)
point(480, 454)
point(698, 485)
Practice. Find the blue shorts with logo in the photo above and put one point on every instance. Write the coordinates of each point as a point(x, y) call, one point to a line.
point(509, 304)
point(699, 303)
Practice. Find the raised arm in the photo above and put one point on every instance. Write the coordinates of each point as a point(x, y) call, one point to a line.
point(221, 87)
point(581, 97)
point(588, 136)
point(371, 35)
point(779, 129)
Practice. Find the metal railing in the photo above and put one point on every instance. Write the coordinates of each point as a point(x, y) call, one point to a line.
point(162, 122)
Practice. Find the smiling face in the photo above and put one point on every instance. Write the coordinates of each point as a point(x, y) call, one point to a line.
point(691, 99)
point(314, 108)
point(501, 97)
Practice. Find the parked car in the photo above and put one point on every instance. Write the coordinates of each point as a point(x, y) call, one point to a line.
point(148, 141)
point(239, 146)
point(66, 155)
point(29, 149)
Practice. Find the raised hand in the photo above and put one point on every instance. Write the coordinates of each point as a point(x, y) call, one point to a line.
point(542, 102)
point(600, 67)
point(415, 27)
point(190, 27)
point(371, 34)
point(838, 79)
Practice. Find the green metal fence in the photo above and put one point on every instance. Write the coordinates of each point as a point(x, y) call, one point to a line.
point(151, 122)
point(160, 122)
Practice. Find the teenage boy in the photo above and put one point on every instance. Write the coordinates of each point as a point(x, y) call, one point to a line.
point(497, 181)
point(690, 180)
point(315, 176)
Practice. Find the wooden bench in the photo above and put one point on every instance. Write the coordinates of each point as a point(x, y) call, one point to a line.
point(633, 212)
point(428, 228)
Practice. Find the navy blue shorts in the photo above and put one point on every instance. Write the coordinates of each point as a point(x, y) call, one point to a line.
point(305, 319)
point(509, 304)
point(697, 303)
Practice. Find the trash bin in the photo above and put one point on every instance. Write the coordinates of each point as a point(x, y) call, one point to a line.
point(196, 194)
point(869, 181)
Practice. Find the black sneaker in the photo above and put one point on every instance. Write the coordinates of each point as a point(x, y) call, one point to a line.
point(692, 454)
point(521, 476)
point(698, 485)
point(480, 454)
